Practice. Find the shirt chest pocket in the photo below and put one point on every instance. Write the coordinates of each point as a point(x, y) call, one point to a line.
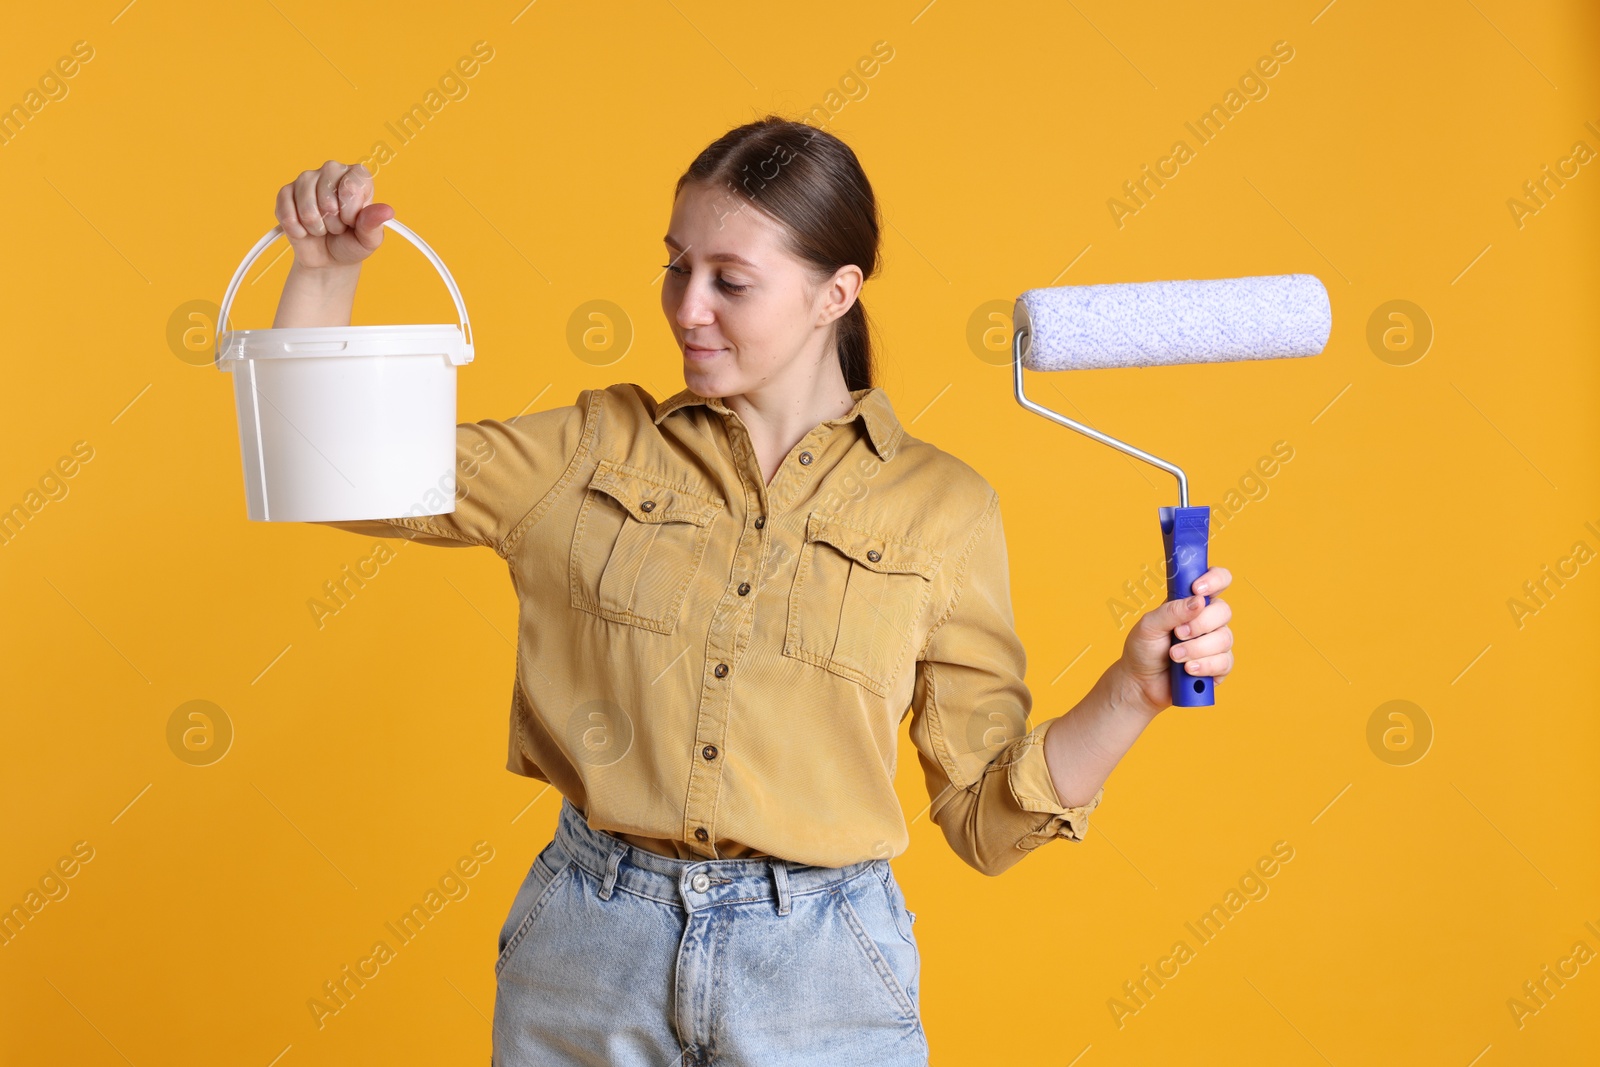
point(637, 544)
point(856, 601)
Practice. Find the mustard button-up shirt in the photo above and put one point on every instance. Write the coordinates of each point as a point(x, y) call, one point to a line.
point(711, 666)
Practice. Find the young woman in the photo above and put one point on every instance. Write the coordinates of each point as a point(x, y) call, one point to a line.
point(730, 599)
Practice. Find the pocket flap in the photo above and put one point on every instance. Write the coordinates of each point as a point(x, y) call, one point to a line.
point(876, 552)
point(651, 499)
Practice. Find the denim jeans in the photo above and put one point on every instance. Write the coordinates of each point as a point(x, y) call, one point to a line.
point(616, 956)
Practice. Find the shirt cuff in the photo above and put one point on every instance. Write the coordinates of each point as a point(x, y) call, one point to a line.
point(1035, 791)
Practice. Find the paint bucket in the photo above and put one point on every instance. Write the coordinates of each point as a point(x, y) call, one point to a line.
point(346, 422)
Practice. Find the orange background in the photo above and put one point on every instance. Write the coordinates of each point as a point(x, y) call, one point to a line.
point(1378, 564)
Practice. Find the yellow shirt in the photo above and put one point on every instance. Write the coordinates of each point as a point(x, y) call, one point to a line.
point(710, 666)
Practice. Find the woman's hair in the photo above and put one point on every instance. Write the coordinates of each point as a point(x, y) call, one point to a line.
point(811, 182)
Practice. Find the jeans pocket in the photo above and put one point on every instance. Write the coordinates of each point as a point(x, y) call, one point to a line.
point(544, 879)
point(876, 930)
point(904, 917)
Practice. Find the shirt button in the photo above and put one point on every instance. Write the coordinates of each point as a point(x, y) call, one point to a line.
point(744, 587)
point(648, 505)
point(761, 520)
point(874, 555)
point(701, 882)
point(701, 835)
point(709, 752)
point(805, 457)
point(721, 671)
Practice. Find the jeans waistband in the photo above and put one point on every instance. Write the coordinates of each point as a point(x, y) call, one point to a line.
point(694, 884)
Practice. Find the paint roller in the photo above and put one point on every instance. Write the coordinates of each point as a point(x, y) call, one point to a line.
point(1148, 324)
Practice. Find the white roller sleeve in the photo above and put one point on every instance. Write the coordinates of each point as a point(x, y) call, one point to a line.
point(1142, 324)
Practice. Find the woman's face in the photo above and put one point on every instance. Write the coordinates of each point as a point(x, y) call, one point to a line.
point(742, 308)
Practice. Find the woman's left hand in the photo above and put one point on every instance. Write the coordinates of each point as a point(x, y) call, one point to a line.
point(1204, 641)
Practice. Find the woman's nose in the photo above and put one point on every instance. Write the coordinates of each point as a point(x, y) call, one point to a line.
point(693, 309)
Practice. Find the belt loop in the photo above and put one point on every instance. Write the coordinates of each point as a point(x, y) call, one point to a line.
point(612, 861)
point(780, 879)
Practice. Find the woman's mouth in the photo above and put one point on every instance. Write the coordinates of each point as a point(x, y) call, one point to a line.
point(696, 352)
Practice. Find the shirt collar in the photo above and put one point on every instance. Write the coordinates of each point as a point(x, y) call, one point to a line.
point(871, 406)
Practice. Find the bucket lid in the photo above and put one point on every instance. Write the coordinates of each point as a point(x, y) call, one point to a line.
point(296, 342)
point(301, 342)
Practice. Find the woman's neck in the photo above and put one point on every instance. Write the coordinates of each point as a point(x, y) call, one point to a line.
point(782, 411)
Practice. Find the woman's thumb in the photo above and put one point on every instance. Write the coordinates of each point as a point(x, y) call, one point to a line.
point(1171, 614)
point(369, 225)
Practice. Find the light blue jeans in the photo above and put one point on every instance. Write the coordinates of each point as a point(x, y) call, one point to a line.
point(614, 956)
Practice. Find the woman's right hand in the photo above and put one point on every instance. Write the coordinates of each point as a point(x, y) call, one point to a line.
point(329, 217)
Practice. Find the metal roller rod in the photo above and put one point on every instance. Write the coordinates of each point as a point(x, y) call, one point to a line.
point(1017, 344)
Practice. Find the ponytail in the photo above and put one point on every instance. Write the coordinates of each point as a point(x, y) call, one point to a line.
point(855, 347)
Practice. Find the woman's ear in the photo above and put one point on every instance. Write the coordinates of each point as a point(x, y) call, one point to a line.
point(839, 293)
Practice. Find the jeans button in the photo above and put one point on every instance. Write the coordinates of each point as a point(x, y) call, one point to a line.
point(701, 882)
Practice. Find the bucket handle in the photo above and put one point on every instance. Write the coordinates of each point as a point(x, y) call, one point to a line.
point(394, 224)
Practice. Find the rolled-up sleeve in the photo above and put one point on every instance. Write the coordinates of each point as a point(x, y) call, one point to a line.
point(990, 788)
point(504, 470)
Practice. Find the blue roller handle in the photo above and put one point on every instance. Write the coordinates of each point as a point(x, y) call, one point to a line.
point(1184, 533)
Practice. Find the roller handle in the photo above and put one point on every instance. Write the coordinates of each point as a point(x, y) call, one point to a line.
point(393, 224)
point(1184, 532)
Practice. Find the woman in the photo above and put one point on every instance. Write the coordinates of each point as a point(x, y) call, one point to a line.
point(730, 600)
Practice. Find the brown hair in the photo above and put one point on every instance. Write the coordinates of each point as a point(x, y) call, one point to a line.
point(812, 183)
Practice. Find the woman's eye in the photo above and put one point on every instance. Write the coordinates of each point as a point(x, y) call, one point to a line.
point(726, 285)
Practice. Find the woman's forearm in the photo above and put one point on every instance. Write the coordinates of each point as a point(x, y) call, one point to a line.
point(1082, 747)
point(322, 296)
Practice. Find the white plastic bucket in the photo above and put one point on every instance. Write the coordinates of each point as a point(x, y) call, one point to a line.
point(346, 422)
